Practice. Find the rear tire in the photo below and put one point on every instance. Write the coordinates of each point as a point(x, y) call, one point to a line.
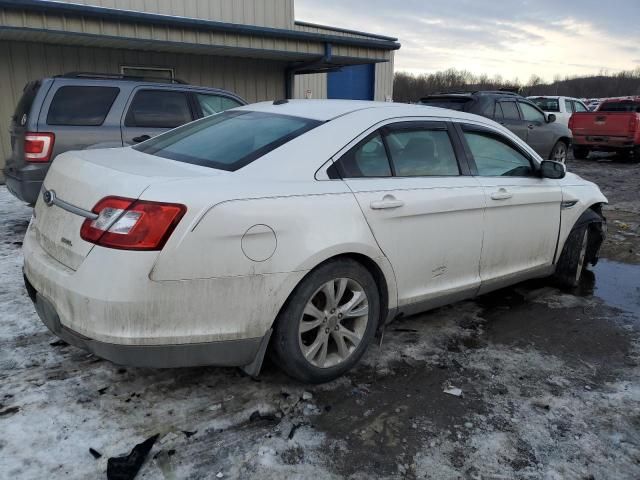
point(573, 258)
point(580, 153)
point(559, 152)
point(327, 323)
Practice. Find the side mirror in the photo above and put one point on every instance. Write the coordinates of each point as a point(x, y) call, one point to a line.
point(551, 118)
point(551, 169)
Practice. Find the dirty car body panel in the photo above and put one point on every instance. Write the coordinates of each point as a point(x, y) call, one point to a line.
point(350, 182)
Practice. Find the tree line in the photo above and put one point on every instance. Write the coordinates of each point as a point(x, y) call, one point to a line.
point(410, 88)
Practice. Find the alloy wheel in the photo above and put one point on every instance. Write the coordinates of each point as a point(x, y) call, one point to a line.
point(560, 153)
point(334, 322)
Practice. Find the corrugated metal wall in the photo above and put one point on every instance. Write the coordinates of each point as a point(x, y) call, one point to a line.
point(315, 83)
point(265, 13)
point(254, 80)
point(384, 81)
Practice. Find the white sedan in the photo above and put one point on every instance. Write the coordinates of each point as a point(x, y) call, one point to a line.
point(297, 227)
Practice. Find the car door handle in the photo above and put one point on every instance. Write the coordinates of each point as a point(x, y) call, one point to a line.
point(531, 126)
point(501, 194)
point(388, 201)
point(141, 138)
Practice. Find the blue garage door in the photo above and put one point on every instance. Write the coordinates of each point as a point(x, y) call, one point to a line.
point(352, 83)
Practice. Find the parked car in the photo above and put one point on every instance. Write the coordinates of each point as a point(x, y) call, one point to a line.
point(525, 119)
point(614, 127)
point(300, 227)
point(561, 107)
point(80, 111)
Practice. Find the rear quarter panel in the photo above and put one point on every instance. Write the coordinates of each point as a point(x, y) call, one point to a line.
point(313, 222)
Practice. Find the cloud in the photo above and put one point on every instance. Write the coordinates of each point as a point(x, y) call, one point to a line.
point(514, 38)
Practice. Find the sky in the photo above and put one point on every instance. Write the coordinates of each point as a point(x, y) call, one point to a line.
point(510, 38)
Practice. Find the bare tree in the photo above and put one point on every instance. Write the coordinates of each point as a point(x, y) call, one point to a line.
point(410, 88)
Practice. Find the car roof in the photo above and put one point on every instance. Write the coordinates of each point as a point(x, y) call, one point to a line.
point(325, 110)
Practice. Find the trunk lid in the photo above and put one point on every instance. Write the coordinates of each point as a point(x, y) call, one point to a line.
point(82, 178)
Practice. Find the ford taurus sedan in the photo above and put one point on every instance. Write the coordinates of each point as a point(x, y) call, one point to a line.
point(299, 228)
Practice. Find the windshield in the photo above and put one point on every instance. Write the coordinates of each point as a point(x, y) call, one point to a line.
point(620, 107)
point(229, 140)
point(547, 104)
point(450, 103)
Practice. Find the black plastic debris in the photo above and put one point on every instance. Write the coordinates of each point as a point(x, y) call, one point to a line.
point(126, 468)
point(189, 434)
point(102, 390)
point(256, 416)
point(295, 428)
point(9, 411)
point(96, 454)
point(58, 343)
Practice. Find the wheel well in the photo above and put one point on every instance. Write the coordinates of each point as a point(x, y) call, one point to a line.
point(566, 140)
point(375, 272)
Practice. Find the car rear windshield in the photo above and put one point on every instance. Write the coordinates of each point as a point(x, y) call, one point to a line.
point(450, 103)
point(24, 104)
point(620, 107)
point(547, 104)
point(228, 141)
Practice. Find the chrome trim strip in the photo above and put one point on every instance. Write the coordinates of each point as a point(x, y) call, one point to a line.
point(73, 209)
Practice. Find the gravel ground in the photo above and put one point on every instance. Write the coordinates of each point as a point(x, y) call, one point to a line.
point(549, 381)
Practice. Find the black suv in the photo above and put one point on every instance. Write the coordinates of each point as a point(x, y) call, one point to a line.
point(77, 111)
point(550, 140)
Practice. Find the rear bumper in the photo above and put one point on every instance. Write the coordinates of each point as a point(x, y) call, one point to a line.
point(25, 183)
point(229, 353)
point(603, 142)
point(110, 307)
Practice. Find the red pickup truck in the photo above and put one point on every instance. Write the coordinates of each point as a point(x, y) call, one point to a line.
point(613, 127)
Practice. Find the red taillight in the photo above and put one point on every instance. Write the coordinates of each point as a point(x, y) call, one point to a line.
point(38, 146)
point(571, 121)
point(130, 224)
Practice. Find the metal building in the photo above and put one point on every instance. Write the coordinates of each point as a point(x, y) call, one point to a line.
point(254, 48)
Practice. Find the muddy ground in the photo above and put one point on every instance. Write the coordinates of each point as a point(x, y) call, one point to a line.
point(549, 380)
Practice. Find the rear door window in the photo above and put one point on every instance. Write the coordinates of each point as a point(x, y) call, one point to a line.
point(159, 109)
point(228, 141)
point(422, 153)
point(83, 106)
point(510, 110)
point(212, 104)
point(368, 159)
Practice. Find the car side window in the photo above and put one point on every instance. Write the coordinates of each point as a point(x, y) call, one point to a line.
point(421, 153)
point(158, 109)
point(212, 104)
point(83, 106)
point(579, 107)
point(531, 114)
point(367, 159)
point(495, 157)
point(510, 110)
point(568, 106)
